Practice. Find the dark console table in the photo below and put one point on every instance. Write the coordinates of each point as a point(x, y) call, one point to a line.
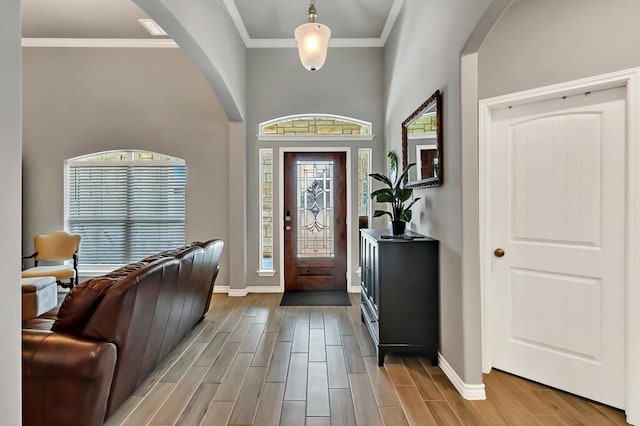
point(400, 292)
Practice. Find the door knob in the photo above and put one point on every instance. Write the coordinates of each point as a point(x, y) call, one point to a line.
point(287, 228)
point(498, 252)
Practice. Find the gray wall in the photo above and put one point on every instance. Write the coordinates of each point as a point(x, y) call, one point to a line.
point(81, 100)
point(542, 42)
point(350, 84)
point(204, 29)
point(422, 55)
point(10, 373)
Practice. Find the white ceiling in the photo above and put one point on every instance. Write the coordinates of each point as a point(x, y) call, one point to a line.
point(347, 19)
point(82, 19)
point(267, 23)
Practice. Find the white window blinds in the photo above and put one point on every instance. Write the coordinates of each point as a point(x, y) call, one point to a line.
point(125, 212)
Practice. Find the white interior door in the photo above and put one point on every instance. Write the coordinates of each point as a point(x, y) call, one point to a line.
point(558, 213)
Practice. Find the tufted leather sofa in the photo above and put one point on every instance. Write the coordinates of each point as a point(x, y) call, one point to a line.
point(81, 363)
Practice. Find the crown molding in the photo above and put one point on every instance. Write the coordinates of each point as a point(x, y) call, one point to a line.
point(237, 20)
point(391, 20)
point(274, 43)
point(251, 43)
point(143, 43)
point(290, 43)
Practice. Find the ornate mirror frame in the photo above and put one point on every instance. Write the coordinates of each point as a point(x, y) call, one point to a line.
point(437, 178)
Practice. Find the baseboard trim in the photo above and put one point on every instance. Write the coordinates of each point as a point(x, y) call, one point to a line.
point(264, 289)
point(238, 292)
point(241, 292)
point(471, 392)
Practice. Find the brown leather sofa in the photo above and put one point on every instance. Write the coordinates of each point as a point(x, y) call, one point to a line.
point(81, 363)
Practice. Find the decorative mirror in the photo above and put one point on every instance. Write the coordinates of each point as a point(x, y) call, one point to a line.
point(422, 143)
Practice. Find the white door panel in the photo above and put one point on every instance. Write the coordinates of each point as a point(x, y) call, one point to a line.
point(558, 212)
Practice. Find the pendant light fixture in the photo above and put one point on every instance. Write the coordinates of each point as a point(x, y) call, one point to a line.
point(312, 39)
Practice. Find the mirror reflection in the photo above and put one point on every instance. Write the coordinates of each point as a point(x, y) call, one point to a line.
point(422, 143)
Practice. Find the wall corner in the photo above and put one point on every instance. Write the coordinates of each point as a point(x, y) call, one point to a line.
point(237, 206)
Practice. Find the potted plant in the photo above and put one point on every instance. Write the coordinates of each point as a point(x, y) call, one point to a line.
point(399, 197)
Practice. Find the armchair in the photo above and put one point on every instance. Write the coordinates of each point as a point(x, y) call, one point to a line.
point(58, 246)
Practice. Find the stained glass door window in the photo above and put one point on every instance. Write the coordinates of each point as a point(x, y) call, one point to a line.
point(315, 208)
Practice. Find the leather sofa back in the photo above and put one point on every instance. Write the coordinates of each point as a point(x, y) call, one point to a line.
point(133, 315)
point(145, 309)
point(213, 253)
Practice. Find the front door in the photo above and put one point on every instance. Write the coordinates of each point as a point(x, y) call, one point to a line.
point(315, 221)
point(558, 235)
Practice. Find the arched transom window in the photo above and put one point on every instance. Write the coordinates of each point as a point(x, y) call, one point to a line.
point(304, 126)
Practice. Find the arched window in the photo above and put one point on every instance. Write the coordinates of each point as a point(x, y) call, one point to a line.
point(305, 126)
point(125, 204)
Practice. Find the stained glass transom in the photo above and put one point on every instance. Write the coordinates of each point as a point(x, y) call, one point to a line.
point(315, 125)
point(315, 208)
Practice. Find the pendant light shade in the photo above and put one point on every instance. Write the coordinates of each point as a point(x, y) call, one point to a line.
point(312, 39)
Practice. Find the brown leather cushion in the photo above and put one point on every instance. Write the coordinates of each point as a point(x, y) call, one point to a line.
point(170, 253)
point(78, 306)
point(126, 270)
point(52, 314)
point(37, 324)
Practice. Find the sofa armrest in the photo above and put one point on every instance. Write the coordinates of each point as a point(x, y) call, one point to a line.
point(65, 378)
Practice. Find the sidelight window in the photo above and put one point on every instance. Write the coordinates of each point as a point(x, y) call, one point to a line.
point(364, 182)
point(266, 211)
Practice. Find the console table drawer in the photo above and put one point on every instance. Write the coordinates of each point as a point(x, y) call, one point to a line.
point(370, 306)
point(371, 321)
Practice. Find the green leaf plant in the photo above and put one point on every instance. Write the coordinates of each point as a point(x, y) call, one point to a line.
point(396, 194)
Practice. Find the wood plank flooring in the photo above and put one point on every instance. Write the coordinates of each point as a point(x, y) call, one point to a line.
point(253, 362)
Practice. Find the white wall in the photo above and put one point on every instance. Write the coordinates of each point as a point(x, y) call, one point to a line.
point(542, 42)
point(421, 56)
point(10, 207)
point(350, 84)
point(81, 100)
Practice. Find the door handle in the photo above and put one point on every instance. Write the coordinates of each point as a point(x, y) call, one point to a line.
point(498, 252)
point(287, 228)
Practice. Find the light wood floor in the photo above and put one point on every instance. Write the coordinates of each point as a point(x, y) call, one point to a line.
point(254, 362)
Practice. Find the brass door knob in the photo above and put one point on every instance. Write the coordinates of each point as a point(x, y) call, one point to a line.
point(498, 252)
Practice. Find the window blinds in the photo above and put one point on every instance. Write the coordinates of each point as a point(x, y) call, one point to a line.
point(125, 212)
